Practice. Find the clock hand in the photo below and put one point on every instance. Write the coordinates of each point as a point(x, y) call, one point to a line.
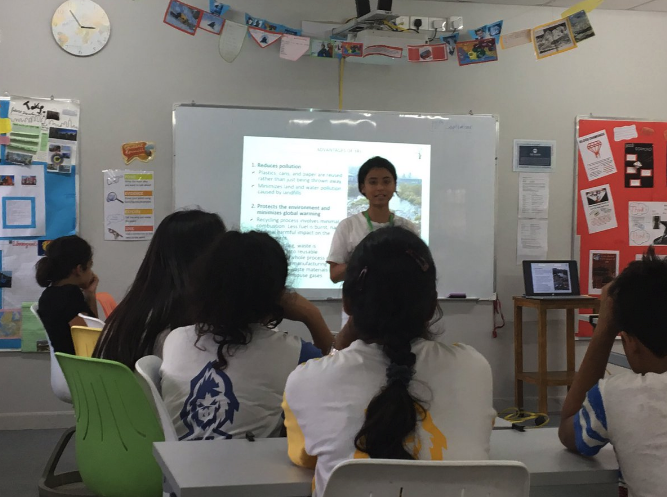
point(77, 21)
point(88, 27)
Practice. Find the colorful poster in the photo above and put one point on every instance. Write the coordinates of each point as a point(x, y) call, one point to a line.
point(639, 165)
point(596, 155)
point(427, 53)
point(352, 49)
point(647, 223)
point(599, 208)
point(553, 38)
point(35, 121)
point(211, 23)
point(183, 17)
point(264, 38)
point(129, 205)
point(602, 269)
point(323, 49)
point(476, 51)
point(487, 31)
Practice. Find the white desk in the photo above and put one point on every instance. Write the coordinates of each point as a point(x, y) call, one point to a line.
point(238, 468)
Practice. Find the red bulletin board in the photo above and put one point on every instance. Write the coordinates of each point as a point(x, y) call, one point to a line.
point(618, 239)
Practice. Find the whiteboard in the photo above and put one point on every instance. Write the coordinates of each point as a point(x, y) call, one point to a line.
point(208, 168)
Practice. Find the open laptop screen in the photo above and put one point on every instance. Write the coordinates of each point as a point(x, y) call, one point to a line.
point(559, 278)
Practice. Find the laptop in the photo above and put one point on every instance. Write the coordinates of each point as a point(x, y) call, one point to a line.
point(552, 280)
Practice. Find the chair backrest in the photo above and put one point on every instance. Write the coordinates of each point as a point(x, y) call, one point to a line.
point(386, 477)
point(85, 339)
point(107, 302)
point(58, 382)
point(115, 428)
point(148, 369)
point(92, 322)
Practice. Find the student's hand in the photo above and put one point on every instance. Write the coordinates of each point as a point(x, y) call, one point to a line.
point(606, 323)
point(298, 308)
point(92, 286)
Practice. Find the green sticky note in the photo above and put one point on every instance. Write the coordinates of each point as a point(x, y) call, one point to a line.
point(33, 335)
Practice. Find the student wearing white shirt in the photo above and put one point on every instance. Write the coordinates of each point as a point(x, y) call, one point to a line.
point(394, 393)
point(377, 182)
point(627, 410)
point(225, 376)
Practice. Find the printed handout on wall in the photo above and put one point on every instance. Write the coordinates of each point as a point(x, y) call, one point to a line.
point(639, 165)
point(648, 223)
point(22, 201)
point(42, 130)
point(129, 205)
point(596, 155)
point(599, 208)
point(602, 269)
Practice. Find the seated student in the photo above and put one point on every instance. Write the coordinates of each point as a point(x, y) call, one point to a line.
point(395, 393)
point(225, 376)
point(66, 272)
point(627, 409)
point(155, 303)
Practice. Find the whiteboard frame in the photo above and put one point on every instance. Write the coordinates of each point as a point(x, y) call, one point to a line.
point(194, 104)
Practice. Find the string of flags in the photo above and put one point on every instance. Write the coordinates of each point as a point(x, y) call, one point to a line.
point(548, 39)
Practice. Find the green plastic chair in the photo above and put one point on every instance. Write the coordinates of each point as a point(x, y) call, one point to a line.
point(115, 428)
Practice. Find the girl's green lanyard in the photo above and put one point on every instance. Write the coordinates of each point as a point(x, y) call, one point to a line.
point(370, 225)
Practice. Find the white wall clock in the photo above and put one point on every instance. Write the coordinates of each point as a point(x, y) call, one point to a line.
point(81, 27)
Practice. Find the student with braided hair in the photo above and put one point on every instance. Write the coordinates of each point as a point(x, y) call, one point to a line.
point(394, 393)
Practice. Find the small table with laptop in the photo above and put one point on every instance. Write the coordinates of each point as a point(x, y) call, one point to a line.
point(549, 285)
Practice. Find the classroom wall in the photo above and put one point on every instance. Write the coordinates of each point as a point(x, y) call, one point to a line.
point(128, 90)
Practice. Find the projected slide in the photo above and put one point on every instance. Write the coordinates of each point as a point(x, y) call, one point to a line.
point(300, 189)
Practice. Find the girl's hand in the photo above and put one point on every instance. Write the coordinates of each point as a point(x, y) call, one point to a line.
point(92, 286)
point(297, 308)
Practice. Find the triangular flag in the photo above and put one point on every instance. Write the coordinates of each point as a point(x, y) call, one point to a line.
point(294, 47)
point(231, 40)
point(263, 37)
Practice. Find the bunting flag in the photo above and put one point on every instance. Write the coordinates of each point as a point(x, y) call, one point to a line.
point(263, 37)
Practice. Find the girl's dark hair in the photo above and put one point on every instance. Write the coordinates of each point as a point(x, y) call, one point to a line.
point(156, 300)
point(390, 292)
point(239, 282)
point(62, 256)
point(374, 163)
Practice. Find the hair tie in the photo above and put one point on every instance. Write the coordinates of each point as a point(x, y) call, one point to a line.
point(399, 373)
point(418, 259)
point(361, 278)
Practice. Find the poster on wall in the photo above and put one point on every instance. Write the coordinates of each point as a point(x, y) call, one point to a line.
point(596, 155)
point(22, 205)
point(129, 205)
point(38, 123)
point(602, 269)
point(599, 208)
point(639, 165)
point(647, 223)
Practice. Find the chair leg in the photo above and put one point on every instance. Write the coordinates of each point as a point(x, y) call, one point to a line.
point(50, 482)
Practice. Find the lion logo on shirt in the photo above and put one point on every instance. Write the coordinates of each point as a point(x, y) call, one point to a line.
point(210, 406)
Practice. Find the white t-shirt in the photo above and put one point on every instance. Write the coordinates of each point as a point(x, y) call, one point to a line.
point(352, 230)
point(629, 411)
point(325, 403)
point(206, 403)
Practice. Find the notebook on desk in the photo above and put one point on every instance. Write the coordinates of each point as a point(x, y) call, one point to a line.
point(552, 280)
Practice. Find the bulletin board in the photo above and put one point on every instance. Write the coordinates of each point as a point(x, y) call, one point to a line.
point(39, 140)
point(620, 195)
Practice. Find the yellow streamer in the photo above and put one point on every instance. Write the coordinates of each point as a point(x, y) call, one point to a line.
point(587, 5)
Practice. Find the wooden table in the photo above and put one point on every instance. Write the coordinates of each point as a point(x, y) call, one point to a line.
point(543, 378)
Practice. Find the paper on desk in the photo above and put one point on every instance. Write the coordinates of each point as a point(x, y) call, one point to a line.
point(532, 239)
point(599, 208)
point(293, 47)
point(516, 39)
point(596, 155)
point(534, 195)
point(231, 40)
point(625, 133)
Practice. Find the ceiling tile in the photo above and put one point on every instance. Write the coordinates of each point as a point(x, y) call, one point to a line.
point(620, 4)
point(654, 6)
